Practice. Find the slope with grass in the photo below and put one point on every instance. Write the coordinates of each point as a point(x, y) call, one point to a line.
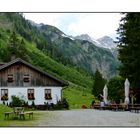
point(78, 96)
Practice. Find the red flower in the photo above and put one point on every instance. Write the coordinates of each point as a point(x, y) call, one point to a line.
point(84, 106)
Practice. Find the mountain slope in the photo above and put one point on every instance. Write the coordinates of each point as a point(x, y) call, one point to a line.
point(107, 42)
point(80, 54)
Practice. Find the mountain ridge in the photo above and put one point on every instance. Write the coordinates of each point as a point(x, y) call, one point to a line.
point(104, 42)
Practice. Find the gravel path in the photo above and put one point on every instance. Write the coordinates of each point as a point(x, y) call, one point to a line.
point(89, 117)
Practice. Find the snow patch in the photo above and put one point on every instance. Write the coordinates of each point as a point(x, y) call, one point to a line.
point(70, 37)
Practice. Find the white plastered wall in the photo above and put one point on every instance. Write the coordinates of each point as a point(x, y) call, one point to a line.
point(38, 93)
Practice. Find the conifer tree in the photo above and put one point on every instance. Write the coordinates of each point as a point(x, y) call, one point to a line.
point(129, 48)
point(98, 84)
point(13, 43)
point(22, 52)
point(16, 47)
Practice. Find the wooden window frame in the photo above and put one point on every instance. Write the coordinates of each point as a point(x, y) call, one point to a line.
point(31, 94)
point(48, 94)
point(26, 78)
point(10, 78)
point(4, 95)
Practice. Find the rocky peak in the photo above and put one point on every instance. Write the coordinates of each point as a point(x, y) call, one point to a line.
point(107, 42)
point(84, 37)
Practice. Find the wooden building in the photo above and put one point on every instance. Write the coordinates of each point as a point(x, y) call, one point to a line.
point(24, 80)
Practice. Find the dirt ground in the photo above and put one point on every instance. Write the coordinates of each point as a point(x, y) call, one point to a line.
point(89, 118)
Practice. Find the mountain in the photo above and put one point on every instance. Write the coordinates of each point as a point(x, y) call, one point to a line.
point(88, 38)
point(84, 37)
point(80, 53)
point(107, 42)
point(104, 42)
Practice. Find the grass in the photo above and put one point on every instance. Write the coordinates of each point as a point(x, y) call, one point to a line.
point(21, 123)
point(11, 122)
point(77, 96)
point(3, 109)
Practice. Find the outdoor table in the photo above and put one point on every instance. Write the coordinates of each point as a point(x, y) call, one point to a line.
point(135, 107)
point(17, 111)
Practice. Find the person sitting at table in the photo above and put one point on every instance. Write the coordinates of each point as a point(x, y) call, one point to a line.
point(102, 105)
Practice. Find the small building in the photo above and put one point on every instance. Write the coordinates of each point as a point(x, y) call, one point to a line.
point(29, 83)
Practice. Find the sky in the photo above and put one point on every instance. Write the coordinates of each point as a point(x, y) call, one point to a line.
point(95, 25)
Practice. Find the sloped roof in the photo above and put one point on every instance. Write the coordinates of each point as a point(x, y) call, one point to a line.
point(63, 83)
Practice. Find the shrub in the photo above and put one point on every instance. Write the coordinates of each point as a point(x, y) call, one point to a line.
point(63, 104)
point(58, 106)
point(16, 102)
point(33, 104)
point(46, 105)
point(25, 104)
point(3, 102)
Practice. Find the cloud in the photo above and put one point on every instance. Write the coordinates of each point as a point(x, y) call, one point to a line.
point(46, 18)
point(94, 24)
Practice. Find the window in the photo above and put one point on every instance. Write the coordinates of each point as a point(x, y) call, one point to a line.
point(31, 94)
point(48, 94)
point(26, 78)
point(10, 78)
point(4, 94)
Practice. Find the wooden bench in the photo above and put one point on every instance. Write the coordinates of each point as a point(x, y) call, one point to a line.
point(22, 115)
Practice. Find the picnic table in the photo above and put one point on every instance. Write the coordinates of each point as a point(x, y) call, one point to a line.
point(113, 107)
point(119, 107)
point(135, 108)
point(18, 112)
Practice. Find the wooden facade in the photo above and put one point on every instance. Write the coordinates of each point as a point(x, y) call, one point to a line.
point(19, 73)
